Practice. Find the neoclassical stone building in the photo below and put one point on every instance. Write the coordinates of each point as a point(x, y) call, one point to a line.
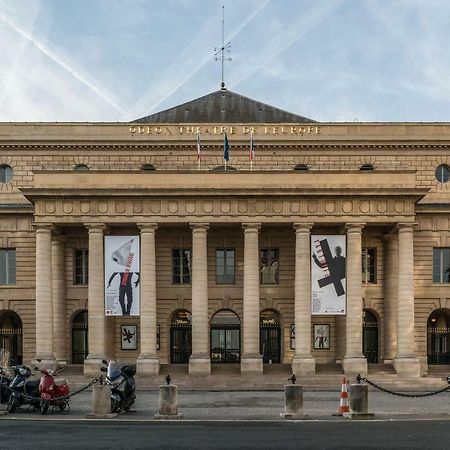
point(225, 255)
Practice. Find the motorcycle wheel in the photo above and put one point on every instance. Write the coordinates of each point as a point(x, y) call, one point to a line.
point(44, 407)
point(12, 404)
point(115, 406)
point(62, 406)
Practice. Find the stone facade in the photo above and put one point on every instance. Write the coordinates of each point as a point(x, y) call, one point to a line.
point(48, 211)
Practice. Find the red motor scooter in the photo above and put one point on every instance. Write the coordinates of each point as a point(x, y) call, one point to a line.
point(51, 391)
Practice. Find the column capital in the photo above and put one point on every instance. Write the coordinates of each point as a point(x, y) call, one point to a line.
point(44, 226)
point(354, 227)
point(302, 227)
point(203, 226)
point(406, 226)
point(251, 226)
point(147, 227)
point(95, 227)
point(58, 238)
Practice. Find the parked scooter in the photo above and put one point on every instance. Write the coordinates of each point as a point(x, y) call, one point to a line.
point(22, 390)
point(121, 379)
point(50, 391)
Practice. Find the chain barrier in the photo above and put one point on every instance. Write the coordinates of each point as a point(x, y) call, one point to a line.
point(30, 398)
point(359, 378)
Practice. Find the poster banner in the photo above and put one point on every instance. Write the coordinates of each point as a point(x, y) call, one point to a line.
point(328, 283)
point(122, 275)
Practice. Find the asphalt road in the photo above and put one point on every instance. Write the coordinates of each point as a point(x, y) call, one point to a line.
point(21, 434)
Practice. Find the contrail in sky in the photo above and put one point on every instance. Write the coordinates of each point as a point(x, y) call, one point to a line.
point(173, 84)
point(302, 26)
point(56, 59)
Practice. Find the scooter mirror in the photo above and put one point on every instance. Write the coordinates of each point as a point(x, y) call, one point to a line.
point(104, 361)
point(103, 369)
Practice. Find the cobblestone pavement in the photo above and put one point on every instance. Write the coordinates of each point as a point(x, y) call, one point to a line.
point(261, 405)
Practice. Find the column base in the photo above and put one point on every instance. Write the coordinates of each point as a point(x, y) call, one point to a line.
point(92, 366)
point(45, 362)
point(251, 365)
point(303, 366)
point(407, 367)
point(147, 366)
point(199, 366)
point(353, 366)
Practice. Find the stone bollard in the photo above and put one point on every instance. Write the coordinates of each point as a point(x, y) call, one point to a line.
point(293, 402)
point(359, 402)
point(101, 402)
point(168, 402)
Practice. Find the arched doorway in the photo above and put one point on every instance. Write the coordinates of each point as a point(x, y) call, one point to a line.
point(370, 336)
point(225, 337)
point(270, 336)
point(180, 337)
point(80, 337)
point(11, 347)
point(438, 337)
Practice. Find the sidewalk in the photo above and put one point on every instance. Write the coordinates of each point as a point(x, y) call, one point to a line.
point(257, 405)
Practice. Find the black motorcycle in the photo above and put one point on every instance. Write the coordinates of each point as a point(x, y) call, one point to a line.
point(123, 386)
point(23, 391)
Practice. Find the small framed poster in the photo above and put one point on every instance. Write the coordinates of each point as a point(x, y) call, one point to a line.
point(322, 336)
point(128, 337)
point(158, 339)
point(292, 336)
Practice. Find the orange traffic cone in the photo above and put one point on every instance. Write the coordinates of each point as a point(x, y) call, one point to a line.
point(343, 404)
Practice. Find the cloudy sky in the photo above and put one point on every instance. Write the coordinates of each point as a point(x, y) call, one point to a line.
point(330, 60)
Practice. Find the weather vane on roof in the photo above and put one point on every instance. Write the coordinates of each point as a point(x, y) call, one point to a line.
point(221, 52)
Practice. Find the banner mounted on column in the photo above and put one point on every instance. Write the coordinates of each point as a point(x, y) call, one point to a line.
point(328, 282)
point(122, 275)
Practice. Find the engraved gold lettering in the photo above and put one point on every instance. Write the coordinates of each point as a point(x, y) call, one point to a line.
point(245, 130)
point(190, 130)
point(301, 130)
point(223, 129)
point(318, 130)
point(141, 130)
point(293, 130)
point(310, 129)
point(274, 130)
point(132, 130)
point(181, 130)
point(231, 130)
point(283, 131)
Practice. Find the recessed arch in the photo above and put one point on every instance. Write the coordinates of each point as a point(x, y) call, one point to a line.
point(224, 169)
point(301, 168)
point(270, 336)
point(370, 335)
point(148, 168)
point(180, 336)
point(225, 337)
point(11, 342)
point(367, 167)
point(80, 344)
point(438, 337)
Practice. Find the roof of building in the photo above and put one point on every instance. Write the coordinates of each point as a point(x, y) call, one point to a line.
point(223, 106)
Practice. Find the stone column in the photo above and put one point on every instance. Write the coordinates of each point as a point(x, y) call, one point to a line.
point(96, 301)
point(148, 361)
point(44, 298)
point(354, 361)
point(251, 360)
point(390, 297)
point(406, 363)
point(200, 361)
point(59, 299)
point(303, 362)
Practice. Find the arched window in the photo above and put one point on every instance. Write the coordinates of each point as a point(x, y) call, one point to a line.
point(148, 168)
point(6, 173)
point(301, 167)
point(222, 169)
point(367, 167)
point(225, 337)
point(180, 337)
point(81, 168)
point(270, 336)
point(11, 347)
